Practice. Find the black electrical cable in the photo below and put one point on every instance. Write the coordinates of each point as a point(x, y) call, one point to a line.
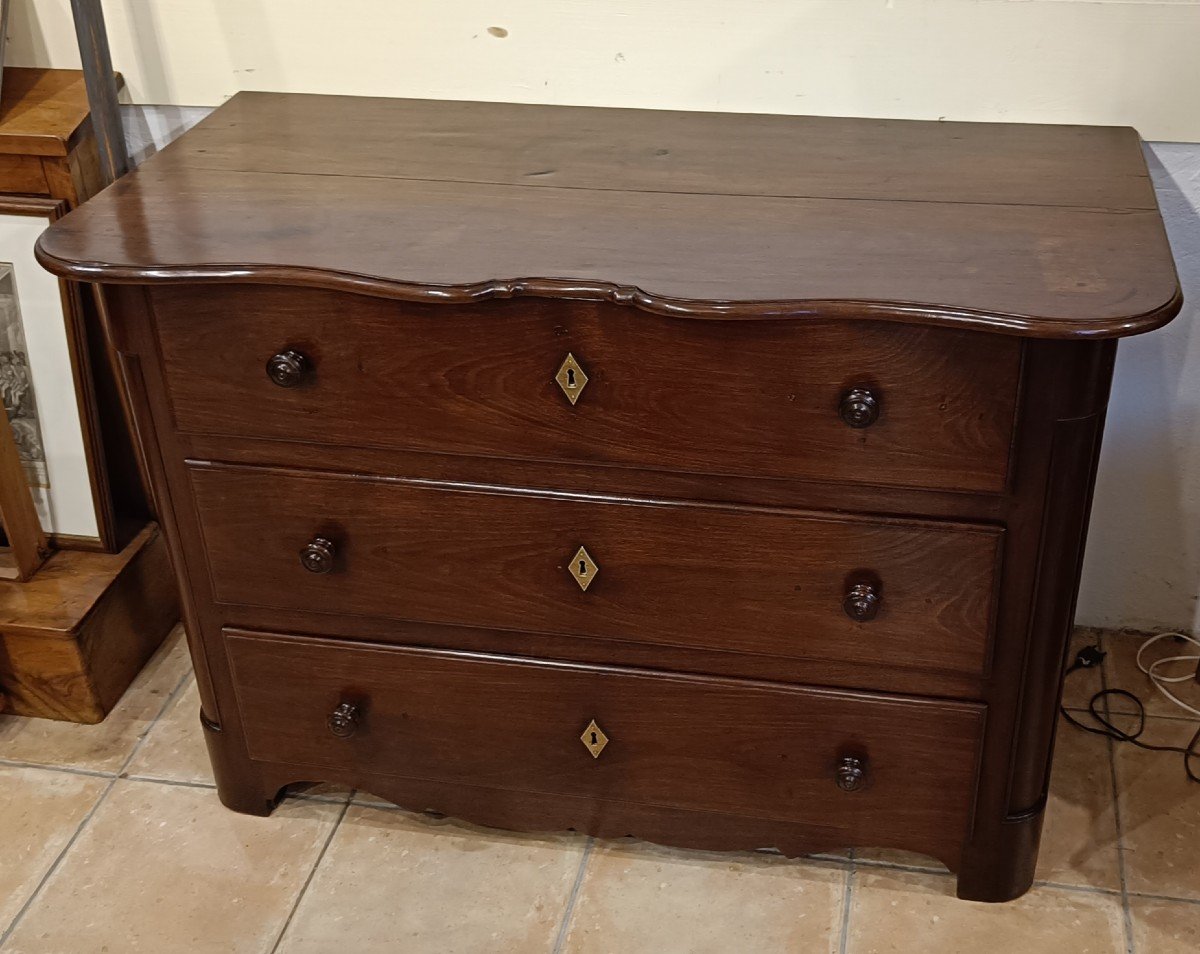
point(1091, 656)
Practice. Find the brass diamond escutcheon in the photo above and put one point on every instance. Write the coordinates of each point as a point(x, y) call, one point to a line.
point(594, 738)
point(571, 378)
point(583, 568)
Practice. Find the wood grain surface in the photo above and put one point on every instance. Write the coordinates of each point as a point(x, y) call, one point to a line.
point(709, 153)
point(1042, 231)
point(728, 578)
point(755, 399)
point(43, 112)
point(700, 744)
point(74, 636)
point(707, 467)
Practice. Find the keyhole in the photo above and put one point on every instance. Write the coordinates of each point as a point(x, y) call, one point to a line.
point(570, 377)
point(595, 741)
point(582, 568)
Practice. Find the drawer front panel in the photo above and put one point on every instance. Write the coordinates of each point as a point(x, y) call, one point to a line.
point(738, 579)
point(756, 749)
point(758, 399)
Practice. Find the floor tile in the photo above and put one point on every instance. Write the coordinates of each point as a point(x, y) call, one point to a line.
point(641, 898)
point(895, 858)
point(166, 868)
point(1081, 685)
point(39, 812)
point(321, 791)
point(1079, 841)
point(1079, 838)
point(175, 749)
point(106, 746)
point(1165, 927)
point(1160, 814)
point(835, 856)
point(393, 881)
point(373, 801)
point(898, 912)
point(1122, 672)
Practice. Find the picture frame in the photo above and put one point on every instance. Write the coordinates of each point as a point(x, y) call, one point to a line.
point(45, 384)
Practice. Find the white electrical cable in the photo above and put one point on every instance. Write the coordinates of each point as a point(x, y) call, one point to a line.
point(1160, 680)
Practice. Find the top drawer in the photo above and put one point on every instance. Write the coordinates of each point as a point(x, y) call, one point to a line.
point(741, 398)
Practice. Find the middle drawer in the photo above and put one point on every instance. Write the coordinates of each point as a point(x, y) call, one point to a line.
point(918, 594)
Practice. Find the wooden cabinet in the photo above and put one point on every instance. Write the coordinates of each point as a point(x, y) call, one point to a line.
point(643, 473)
point(92, 606)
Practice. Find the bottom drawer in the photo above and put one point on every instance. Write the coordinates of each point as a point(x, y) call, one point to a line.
point(882, 770)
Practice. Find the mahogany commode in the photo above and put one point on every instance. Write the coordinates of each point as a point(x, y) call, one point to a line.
point(716, 479)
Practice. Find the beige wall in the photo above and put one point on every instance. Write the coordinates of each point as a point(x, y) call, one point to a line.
point(1078, 61)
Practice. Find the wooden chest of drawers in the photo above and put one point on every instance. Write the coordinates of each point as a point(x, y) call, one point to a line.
point(720, 480)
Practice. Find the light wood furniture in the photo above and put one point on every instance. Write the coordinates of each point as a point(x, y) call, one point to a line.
point(76, 634)
point(716, 479)
point(82, 621)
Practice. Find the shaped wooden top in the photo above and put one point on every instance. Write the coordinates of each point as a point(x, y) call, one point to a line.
point(1046, 231)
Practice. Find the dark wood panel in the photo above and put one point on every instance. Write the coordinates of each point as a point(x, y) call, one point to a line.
point(1045, 231)
point(758, 750)
point(757, 400)
point(620, 481)
point(1016, 269)
point(825, 671)
point(538, 812)
point(738, 579)
point(659, 150)
point(1067, 383)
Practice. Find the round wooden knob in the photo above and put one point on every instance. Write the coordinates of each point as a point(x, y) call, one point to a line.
point(851, 773)
point(317, 555)
point(861, 603)
point(859, 408)
point(343, 721)
point(288, 368)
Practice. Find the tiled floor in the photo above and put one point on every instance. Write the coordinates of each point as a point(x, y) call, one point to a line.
point(112, 840)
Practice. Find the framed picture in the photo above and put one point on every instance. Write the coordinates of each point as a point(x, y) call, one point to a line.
point(44, 384)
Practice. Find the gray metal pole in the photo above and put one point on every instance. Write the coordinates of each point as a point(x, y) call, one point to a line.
point(101, 87)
